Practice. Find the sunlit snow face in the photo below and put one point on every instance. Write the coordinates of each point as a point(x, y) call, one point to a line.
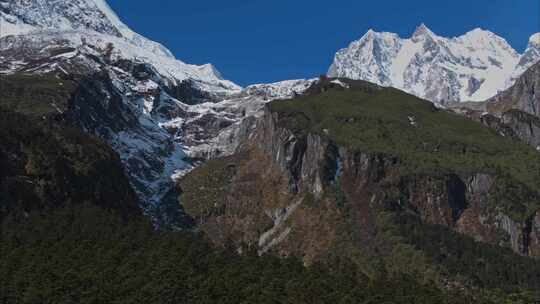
point(59, 15)
point(472, 67)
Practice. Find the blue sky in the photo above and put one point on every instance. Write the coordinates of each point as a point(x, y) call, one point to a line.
point(256, 41)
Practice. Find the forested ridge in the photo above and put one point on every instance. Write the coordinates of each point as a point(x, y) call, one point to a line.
point(71, 232)
point(86, 254)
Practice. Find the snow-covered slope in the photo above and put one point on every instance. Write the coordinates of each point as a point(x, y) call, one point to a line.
point(129, 87)
point(528, 59)
point(159, 114)
point(114, 100)
point(214, 129)
point(22, 17)
point(92, 22)
point(472, 67)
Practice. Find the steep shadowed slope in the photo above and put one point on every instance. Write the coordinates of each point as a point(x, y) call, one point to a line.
point(44, 166)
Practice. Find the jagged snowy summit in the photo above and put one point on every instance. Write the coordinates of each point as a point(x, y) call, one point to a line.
point(471, 67)
point(94, 23)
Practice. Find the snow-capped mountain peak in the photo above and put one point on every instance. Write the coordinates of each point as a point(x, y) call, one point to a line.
point(368, 58)
point(528, 59)
point(127, 33)
point(93, 22)
point(23, 17)
point(471, 67)
point(210, 69)
point(59, 15)
point(104, 7)
point(534, 40)
point(423, 32)
point(479, 39)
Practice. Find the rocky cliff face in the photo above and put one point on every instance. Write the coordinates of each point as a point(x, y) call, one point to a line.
point(518, 124)
point(514, 124)
point(301, 193)
point(315, 165)
point(523, 96)
point(514, 112)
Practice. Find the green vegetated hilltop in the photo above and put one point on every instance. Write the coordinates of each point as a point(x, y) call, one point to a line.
point(427, 140)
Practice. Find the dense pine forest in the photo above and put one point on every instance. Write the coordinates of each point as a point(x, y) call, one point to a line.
point(85, 254)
